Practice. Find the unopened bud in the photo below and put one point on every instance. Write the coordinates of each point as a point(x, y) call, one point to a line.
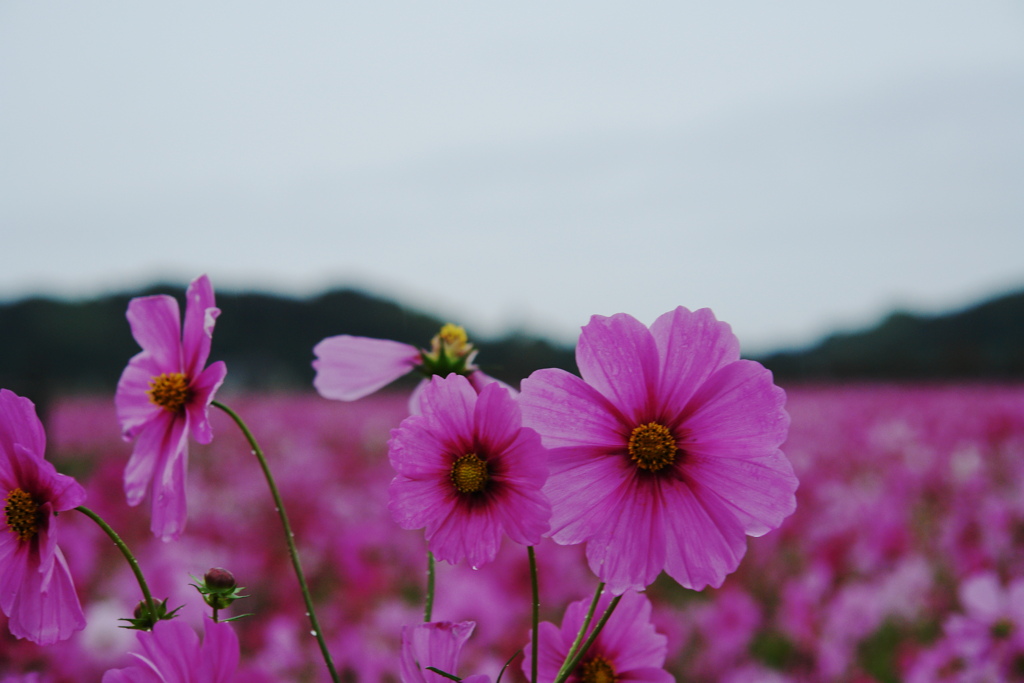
point(219, 579)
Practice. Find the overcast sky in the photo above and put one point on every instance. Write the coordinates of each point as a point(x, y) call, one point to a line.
point(799, 167)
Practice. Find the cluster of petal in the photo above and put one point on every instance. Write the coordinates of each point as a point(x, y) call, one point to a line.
point(688, 514)
point(172, 653)
point(627, 648)
point(36, 589)
point(436, 644)
point(159, 460)
point(456, 421)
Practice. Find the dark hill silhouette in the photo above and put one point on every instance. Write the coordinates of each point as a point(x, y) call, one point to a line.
point(982, 342)
point(50, 347)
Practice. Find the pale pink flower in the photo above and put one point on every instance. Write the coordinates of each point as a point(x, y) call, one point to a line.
point(36, 590)
point(164, 395)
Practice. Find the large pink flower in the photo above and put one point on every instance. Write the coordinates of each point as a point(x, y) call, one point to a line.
point(666, 454)
point(163, 395)
point(626, 649)
point(36, 590)
point(171, 653)
point(468, 472)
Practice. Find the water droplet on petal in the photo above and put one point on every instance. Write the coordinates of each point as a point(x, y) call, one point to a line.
point(312, 633)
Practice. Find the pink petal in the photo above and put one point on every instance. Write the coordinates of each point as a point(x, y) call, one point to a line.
point(168, 496)
point(470, 534)
point(219, 654)
point(46, 609)
point(135, 410)
point(497, 418)
point(200, 314)
point(760, 492)
point(203, 389)
point(704, 542)
point(628, 550)
point(15, 558)
point(566, 411)
point(171, 649)
point(156, 326)
point(19, 425)
point(618, 357)
point(738, 412)
point(152, 445)
point(449, 405)
point(435, 644)
point(584, 490)
point(691, 347)
point(629, 637)
point(349, 368)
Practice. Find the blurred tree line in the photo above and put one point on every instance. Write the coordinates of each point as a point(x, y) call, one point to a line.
point(50, 347)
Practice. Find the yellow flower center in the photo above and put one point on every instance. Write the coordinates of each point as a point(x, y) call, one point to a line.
point(652, 446)
point(170, 390)
point(469, 474)
point(22, 514)
point(454, 336)
point(597, 670)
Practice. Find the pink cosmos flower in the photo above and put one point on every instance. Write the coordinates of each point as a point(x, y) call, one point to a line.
point(349, 368)
point(435, 644)
point(171, 653)
point(164, 394)
point(666, 454)
point(36, 590)
point(468, 472)
point(627, 649)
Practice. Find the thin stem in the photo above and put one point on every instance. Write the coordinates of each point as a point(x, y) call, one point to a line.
point(536, 613)
point(132, 562)
point(562, 675)
point(428, 608)
point(289, 538)
point(583, 628)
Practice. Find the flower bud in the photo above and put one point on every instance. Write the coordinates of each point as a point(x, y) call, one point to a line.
point(219, 579)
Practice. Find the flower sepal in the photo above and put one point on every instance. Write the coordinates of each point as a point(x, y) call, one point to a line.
point(450, 352)
point(144, 620)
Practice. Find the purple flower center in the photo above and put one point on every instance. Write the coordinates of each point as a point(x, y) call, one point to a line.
point(469, 474)
point(170, 390)
point(22, 514)
point(652, 446)
point(596, 670)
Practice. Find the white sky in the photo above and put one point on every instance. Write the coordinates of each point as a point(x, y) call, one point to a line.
point(796, 166)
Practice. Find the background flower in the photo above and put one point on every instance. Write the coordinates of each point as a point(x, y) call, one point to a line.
point(163, 395)
point(627, 649)
point(36, 589)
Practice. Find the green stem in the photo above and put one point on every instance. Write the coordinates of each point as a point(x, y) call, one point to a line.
point(428, 608)
point(583, 628)
point(289, 538)
point(132, 562)
point(536, 613)
point(570, 666)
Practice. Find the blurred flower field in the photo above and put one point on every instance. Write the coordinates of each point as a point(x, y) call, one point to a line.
point(903, 562)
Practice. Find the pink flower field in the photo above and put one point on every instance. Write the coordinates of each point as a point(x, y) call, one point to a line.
point(904, 560)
